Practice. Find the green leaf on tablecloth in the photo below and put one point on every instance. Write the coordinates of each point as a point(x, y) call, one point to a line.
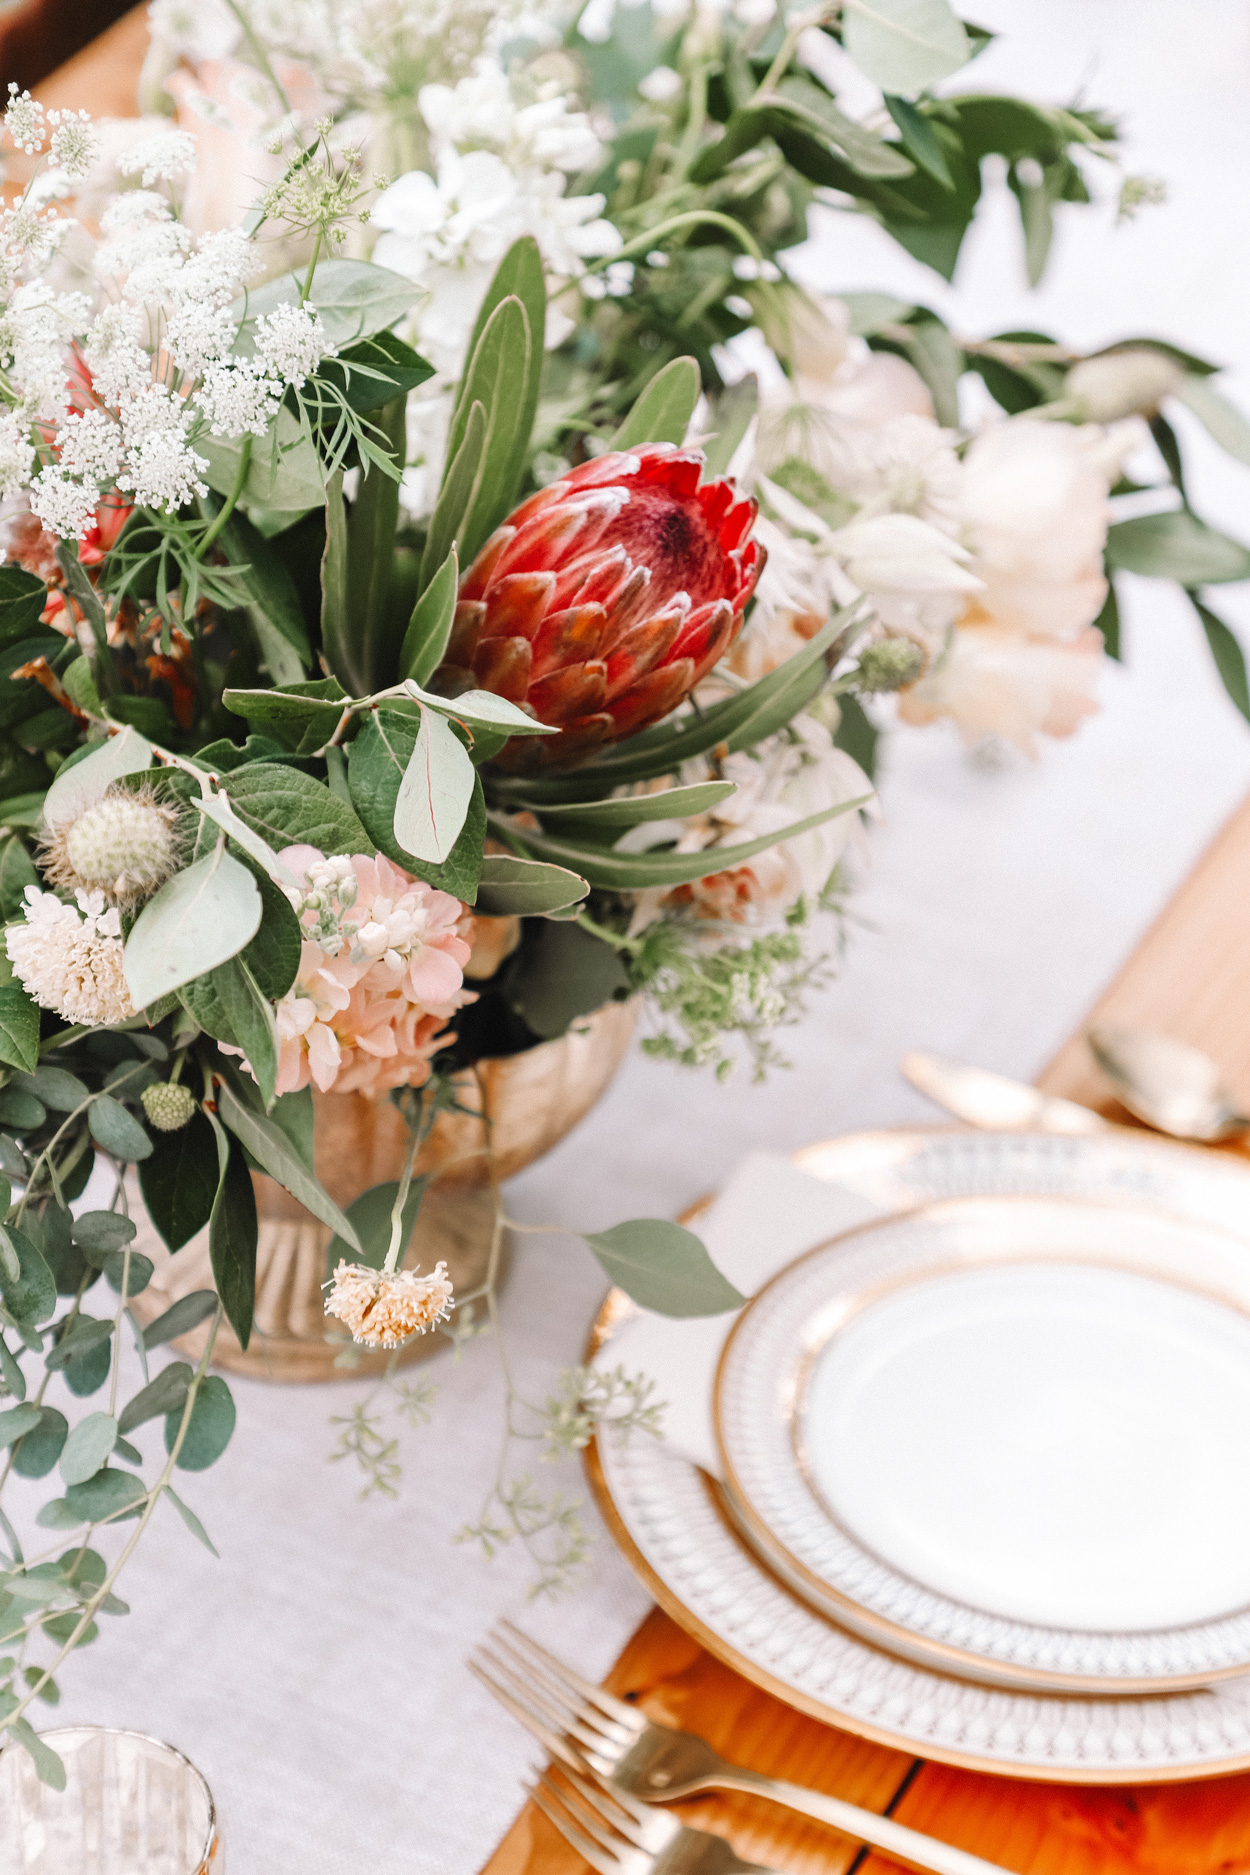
point(664, 1267)
point(191, 1520)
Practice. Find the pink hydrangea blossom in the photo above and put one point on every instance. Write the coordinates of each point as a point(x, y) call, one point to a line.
point(381, 971)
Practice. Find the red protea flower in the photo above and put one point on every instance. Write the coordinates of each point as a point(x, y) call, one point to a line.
point(604, 599)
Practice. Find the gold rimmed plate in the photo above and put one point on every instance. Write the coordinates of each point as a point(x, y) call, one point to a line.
point(999, 1436)
point(670, 1520)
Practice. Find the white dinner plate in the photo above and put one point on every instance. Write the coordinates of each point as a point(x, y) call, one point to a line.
point(671, 1520)
point(1002, 1435)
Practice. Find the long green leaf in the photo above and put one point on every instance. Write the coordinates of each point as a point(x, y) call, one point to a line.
point(1230, 659)
point(519, 274)
point(664, 1267)
point(1176, 545)
point(371, 557)
point(1219, 416)
point(454, 496)
point(526, 888)
point(663, 411)
point(429, 628)
point(337, 648)
point(271, 601)
point(605, 867)
point(632, 809)
point(272, 1150)
point(498, 369)
point(740, 721)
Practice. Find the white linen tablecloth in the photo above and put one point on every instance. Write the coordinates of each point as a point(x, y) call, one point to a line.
point(315, 1673)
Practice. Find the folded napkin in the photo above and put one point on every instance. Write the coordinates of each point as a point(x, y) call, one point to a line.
point(768, 1214)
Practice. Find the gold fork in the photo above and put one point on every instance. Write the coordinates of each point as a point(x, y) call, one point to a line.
point(587, 1730)
point(609, 1829)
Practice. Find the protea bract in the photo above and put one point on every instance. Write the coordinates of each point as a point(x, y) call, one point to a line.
point(604, 599)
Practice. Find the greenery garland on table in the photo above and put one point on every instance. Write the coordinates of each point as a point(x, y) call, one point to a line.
point(308, 725)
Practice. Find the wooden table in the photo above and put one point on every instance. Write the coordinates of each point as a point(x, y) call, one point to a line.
point(1189, 978)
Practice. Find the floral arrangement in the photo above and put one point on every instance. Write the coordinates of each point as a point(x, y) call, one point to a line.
point(419, 626)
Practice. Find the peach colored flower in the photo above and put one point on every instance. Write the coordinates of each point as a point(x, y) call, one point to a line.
point(384, 1308)
point(381, 971)
point(996, 682)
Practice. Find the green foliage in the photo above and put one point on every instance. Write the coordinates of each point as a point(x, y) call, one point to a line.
point(664, 1267)
point(1176, 545)
point(272, 1150)
point(662, 413)
point(377, 761)
point(429, 628)
point(199, 918)
point(1230, 660)
point(232, 1235)
point(526, 887)
point(369, 1216)
point(562, 972)
point(19, 1027)
point(210, 1427)
point(179, 1183)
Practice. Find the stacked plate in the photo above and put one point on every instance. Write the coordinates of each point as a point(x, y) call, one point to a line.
point(985, 1463)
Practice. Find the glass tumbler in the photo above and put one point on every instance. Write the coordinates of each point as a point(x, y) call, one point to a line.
point(131, 1806)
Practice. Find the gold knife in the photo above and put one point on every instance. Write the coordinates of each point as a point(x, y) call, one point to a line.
point(993, 1101)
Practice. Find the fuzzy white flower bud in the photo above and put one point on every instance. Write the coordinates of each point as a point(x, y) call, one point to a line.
point(1119, 384)
point(124, 843)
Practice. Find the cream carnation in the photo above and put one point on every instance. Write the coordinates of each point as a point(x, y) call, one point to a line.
point(383, 1309)
point(71, 961)
point(381, 971)
point(995, 682)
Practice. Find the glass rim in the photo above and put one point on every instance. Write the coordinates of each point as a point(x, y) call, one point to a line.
point(146, 1738)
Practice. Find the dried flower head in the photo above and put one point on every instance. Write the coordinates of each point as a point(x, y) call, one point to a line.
point(383, 1309)
point(71, 961)
point(125, 844)
point(168, 1105)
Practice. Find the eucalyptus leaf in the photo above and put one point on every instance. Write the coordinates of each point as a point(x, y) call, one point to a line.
point(88, 1447)
point(379, 758)
point(210, 1429)
point(116, 1130)
point(435, 792)
point(42, 1445)
point(662, 412)
point(180, 1318)
point(99, 1233)
point(197, 920)
point(55, 1087)
point(29, 1290)
point(284, 470)
point(664, 1267)
point(49, 1768)
point(484, 707)
point(191, 1520)
point(16, 1422)
point(526, 888)
point(104, 1495)
point(75, 788)
point(163, 1394)
point(904, 46)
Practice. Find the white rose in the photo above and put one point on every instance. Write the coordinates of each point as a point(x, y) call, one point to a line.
point(1035, 513)
point(994, 682)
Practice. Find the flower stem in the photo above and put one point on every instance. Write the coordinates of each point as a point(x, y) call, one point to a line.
point(231, 501)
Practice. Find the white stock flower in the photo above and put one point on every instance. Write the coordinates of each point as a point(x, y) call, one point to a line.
point(170, 153)
point(291, 342)
point(194, 29)
point(71, 961)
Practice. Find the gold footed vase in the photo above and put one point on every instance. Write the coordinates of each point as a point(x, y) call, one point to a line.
point(532, 1100)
